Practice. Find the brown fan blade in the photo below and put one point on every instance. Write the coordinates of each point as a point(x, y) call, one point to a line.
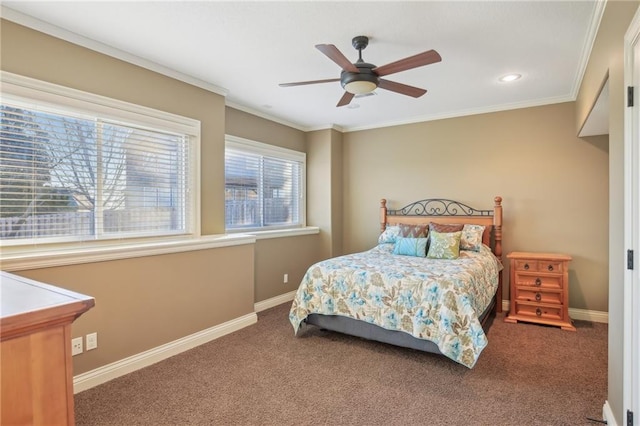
point(403, 89)
point(345, 99)
point(302, 83)
point(415, 61)
point(336, 56)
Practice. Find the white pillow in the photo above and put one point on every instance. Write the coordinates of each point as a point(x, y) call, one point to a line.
point(471, 237)
point(390, 235)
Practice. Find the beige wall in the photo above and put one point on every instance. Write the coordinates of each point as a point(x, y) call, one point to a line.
point(319, 188)
point(554, 186)
point(277, 256)
point(244, 125)
point(337, 184)
point(145, 302)
point(33, 54)
point(324, 188)
point(607, 59)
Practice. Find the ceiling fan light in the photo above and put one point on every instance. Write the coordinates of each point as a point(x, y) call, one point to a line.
point(360, 87)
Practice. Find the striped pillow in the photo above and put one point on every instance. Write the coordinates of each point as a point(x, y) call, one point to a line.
point(411, 247)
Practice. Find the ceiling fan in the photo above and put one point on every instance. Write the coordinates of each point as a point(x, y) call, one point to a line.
point(362, 77)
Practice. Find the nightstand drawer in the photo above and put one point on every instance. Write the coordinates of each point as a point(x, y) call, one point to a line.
point(539, 311)
point(538, 265)
point(549, 266)
point(526, 265)
point(534, 295)
point(541, 281)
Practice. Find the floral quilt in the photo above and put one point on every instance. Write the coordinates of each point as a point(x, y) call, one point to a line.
point(433, 299)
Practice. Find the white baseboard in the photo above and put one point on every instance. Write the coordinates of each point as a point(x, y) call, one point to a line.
point(128, 365)
point(274, 301)
point(576, 314)
point(587, 315)
point(607, 414)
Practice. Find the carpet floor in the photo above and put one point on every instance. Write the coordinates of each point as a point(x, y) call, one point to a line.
point(263, 375)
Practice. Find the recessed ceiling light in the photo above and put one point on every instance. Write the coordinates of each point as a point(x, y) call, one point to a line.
point(509, 77)
point(353, 106)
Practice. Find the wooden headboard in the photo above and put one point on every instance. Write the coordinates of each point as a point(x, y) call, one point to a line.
point(449, 211)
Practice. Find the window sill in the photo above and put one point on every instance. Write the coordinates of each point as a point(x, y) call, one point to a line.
point(280, 233)
point(23, 260)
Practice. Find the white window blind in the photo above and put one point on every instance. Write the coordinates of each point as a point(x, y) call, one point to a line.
point(264, 186)
point(66, 176)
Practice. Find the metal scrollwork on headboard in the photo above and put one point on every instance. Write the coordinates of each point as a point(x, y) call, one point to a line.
point(439, 207)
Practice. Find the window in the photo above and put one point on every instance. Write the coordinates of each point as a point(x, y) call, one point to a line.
point(76, 170)
point(264, 186)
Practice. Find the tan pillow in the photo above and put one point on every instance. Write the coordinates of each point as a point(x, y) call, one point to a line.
point(413, 231)
point(445, 227)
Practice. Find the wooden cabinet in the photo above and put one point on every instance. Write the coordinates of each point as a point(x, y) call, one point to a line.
point(539, 289)
point(35, 345)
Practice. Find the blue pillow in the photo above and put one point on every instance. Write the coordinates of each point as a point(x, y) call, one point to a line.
point(411, 247)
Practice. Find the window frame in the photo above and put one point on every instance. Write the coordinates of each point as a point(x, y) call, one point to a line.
point(40, 95)
point(274, 151)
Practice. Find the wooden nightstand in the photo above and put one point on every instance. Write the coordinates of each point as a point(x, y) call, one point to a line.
point(539, 289)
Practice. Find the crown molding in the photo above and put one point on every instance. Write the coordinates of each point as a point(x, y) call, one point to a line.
point(463, 113)
point(262, 114)
point(71, 37)
point(327, 127)
point(275, 119)
point(58, 32)
point(589, 41)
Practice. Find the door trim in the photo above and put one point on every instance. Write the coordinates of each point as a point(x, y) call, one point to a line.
point(631, 308)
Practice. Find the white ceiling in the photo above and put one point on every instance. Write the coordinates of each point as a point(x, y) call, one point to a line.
point(244, 49)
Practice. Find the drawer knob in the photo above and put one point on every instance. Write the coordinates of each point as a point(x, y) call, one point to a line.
point(538, 281)
point(538, 312)
point(526, 266)
point(538, 296)
point(550, 268)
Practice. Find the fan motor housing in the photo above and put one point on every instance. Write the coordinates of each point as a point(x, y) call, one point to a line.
point(366, 74)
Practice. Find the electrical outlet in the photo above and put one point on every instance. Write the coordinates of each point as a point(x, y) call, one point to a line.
point(286, 278)
point(76, 346)
point(92, 341)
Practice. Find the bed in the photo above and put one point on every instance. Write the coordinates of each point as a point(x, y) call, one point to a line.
point(411, 293)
